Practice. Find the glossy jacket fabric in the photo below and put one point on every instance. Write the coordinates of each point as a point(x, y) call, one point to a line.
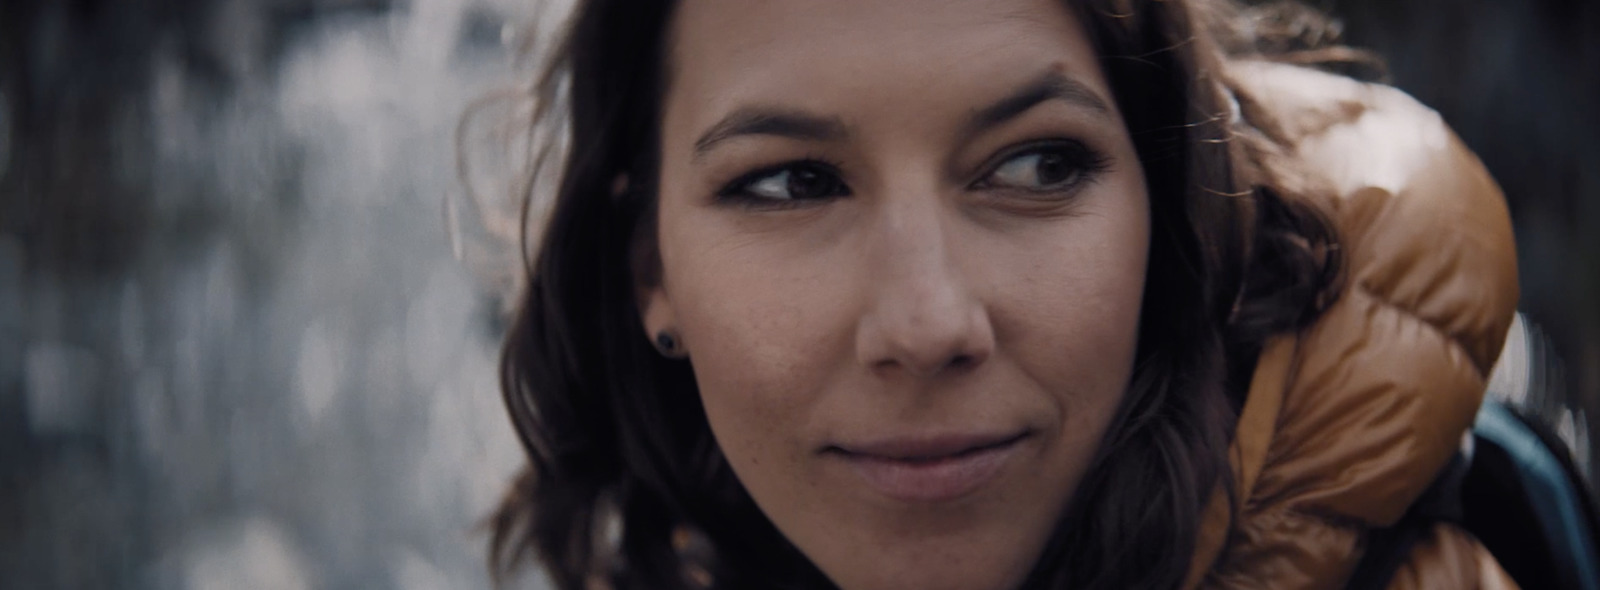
point(1350, 420)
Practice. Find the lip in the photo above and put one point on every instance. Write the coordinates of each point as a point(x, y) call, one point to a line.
point(929, 469)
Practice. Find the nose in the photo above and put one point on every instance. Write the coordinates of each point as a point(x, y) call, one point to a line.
point(923, 317)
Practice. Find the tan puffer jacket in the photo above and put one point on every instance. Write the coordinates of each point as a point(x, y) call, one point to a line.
point(1350, 420)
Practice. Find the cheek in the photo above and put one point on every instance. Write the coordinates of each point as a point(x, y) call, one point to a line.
point(1072, 297)
point(1069, 322)
point(1079, 323)
point(762, 333)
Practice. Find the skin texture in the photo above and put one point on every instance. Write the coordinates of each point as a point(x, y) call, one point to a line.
point(942, 293)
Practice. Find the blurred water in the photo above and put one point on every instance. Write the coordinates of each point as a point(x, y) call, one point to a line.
point(244, 355)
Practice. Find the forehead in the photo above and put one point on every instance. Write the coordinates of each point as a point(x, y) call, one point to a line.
point(727, 52)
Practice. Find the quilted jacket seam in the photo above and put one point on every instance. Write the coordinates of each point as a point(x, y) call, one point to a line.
point(1460, 346)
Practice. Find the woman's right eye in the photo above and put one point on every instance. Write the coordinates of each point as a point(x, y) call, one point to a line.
point(787, 184)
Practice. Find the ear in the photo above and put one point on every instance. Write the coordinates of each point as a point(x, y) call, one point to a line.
point(655, 311)
point(649, 290)
point(655, 308)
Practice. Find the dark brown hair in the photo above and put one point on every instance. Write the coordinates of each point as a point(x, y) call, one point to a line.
point(625, 486)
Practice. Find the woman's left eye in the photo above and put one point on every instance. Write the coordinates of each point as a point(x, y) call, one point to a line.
point(1044, 168)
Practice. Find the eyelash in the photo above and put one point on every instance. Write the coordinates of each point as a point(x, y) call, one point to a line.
point(737, 191)
point(1087, 163)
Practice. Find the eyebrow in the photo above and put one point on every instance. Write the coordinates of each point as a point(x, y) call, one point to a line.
point(1053, 85)
point(794, 124)
point(771, 121)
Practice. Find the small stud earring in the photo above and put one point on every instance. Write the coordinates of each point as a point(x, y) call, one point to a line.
point(667, 344)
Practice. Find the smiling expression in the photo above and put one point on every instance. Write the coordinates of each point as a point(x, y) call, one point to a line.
point(904, 247)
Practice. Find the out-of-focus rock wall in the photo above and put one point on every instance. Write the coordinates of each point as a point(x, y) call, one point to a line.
point(236, 347)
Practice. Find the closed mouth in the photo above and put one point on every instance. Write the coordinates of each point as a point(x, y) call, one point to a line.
point(928, 450)
point(931, 470)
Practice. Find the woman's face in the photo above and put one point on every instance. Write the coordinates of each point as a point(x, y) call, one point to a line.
point(904, 246)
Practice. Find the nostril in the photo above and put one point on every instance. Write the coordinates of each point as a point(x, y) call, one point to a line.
point(958, 363)
point(928, 337)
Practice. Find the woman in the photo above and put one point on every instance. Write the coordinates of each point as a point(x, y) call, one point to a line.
point(992, 294)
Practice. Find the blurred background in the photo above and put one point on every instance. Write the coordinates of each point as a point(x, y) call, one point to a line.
point(248, 321)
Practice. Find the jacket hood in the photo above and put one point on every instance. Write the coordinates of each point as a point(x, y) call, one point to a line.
point(1347, 422)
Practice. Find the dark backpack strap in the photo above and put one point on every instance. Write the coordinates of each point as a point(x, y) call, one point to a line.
point(1529, 505)
point(1388, 548)
point(1523, 500)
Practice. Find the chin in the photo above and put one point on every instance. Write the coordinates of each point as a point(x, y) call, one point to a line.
point(981, 568)
point(925, 579)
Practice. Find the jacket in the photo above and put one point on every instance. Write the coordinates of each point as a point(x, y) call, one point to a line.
point(1348, 421)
